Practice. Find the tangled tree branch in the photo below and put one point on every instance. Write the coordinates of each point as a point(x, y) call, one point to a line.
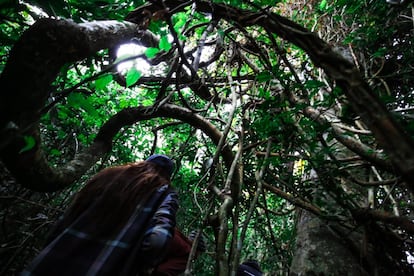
point(39, 54)
point(41, 177)
point(388, 133)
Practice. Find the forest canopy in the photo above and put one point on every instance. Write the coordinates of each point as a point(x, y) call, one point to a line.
point(290, 122)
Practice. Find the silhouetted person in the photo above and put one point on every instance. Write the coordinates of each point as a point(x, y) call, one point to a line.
point(120, 223)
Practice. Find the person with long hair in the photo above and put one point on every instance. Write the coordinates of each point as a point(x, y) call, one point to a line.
point(119, 223)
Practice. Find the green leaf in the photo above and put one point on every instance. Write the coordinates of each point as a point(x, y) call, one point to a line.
point(263, 76)
point(235, 3)
point(83, 139)
point(380, 52)
point(30, 143)
point(309, 84)
point(78, 100)
point(74, 100)
point(103, 81)
point(264, 93)
point(181, 20)
point(151, 52)
point(55, 152)
point(155, 26)
point(62, 114)
point(164, 44)
point(147, 102)
point(322, 5)
point(61, 134)
point(132, 76)
point(268, 2)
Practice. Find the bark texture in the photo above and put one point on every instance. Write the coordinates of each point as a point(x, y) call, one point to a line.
point(320, 251)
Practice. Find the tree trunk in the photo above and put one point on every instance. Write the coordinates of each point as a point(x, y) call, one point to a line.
point(320, 251)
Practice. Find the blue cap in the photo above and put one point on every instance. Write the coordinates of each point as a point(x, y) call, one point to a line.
point(250, 267)
point(163, 161)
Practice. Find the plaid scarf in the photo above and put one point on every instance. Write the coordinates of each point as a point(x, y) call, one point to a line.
point(139, 245)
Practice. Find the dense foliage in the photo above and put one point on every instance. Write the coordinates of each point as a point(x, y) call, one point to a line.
point(299, 141)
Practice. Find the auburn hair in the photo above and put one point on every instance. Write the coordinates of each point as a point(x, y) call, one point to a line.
point(113, 193)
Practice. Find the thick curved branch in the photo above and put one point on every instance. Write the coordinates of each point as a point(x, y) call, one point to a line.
point(294, 200)
point(38, 56)
point(40, 53)
point(38, 175)
point(385, 217)
point(375, 183)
